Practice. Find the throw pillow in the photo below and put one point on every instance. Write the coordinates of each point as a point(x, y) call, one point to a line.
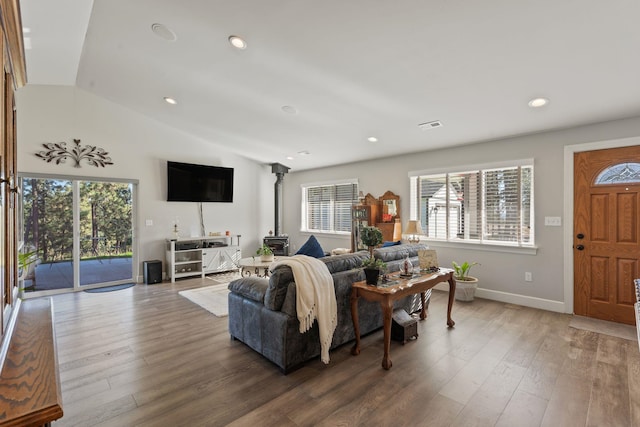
point(387, 244)
point(311, 248)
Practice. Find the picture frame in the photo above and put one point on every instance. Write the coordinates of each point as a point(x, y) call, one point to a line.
point(428, 259)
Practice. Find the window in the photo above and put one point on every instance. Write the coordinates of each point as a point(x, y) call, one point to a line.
point(484, 205)
point(624, 173)
point(327, 208)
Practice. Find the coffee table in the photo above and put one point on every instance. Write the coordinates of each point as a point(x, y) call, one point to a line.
point(254, 265)
point(398, 288)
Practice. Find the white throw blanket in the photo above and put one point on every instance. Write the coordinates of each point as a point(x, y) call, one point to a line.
point(315, 297)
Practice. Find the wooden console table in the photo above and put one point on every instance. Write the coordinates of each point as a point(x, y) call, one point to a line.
point(398, 289)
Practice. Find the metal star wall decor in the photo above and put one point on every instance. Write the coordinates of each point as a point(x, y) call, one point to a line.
point(58, 152)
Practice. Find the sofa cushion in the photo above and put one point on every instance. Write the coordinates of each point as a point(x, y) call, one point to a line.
point(311, 248)
point(279, 281)
point(398, 252)
point(345, 262)
point(253, 288)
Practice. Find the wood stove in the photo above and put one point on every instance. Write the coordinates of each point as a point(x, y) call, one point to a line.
point(278, 244)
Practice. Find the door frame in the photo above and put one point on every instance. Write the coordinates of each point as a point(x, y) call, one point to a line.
point(76, 267)
point(569, 151)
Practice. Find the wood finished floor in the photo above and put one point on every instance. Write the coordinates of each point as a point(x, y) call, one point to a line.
point(147, 356)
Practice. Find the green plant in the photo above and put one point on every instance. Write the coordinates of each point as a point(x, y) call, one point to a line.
point(26, 259)
point(264, 250)
point(461, 272)
point(374, 263)
point(371, 237)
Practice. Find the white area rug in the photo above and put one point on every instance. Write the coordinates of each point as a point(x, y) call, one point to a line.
point(212, 298)
point(619, 330)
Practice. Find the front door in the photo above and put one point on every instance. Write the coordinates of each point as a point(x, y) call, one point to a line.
point(606, 237)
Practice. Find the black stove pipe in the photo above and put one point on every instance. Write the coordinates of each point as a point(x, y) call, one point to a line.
point(279, 170)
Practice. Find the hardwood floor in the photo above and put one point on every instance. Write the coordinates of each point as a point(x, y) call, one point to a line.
point(147, 356)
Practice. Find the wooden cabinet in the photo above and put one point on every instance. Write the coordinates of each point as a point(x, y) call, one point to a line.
point(382, 212)
point(361, 216)
point(391, 231)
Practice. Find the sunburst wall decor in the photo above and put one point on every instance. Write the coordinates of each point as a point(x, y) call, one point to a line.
point(58, 152)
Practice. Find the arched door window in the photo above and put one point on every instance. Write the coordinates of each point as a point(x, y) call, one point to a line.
point(622, 173)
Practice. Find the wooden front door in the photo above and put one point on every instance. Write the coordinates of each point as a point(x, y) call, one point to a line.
point(606, 241)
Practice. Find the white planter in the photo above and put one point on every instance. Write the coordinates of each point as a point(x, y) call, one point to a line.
point(266, 258)
point(466, 289)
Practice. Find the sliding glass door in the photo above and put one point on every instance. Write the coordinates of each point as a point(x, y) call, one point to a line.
point(77, 233)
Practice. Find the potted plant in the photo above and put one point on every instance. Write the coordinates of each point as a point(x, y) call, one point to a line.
point(265, 252)
point(25, 260)
point(372, 237)
point(465, 285)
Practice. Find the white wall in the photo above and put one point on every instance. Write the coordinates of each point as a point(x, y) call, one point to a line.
point(501, 274)
point(139, 148)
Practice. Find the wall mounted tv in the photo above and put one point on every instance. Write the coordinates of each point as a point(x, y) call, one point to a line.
point(199, 183)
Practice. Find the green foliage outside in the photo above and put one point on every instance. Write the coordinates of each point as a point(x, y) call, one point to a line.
point(105, 219)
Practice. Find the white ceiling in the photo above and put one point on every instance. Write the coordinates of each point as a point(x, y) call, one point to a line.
point(352, 69)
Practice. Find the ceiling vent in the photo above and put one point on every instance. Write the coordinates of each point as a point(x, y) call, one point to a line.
point(430, 125)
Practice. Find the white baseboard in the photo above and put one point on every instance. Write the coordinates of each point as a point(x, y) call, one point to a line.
point(527, 301)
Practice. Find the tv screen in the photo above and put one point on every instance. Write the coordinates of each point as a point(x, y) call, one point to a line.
point(199, 183)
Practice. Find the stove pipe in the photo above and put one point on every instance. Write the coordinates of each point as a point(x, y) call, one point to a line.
point(279, 170)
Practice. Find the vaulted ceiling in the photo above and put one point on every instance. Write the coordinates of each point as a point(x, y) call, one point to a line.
point(318, 78)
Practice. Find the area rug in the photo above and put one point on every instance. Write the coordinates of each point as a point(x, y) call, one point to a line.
point(109, 288)
point(212, 298)
point(619, 330)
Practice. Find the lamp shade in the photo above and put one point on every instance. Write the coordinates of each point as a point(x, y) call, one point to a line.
point(413, 227)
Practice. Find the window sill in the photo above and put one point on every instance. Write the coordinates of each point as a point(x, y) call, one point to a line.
point(334, 234)
point(523, 250)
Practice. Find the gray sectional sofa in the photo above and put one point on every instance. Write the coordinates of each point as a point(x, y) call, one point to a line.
point(262, 312)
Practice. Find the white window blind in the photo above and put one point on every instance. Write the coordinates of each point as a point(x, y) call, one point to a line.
point(490, 205)
point(327, 208)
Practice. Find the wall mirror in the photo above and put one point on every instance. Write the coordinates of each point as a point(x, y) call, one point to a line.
point(390, 206)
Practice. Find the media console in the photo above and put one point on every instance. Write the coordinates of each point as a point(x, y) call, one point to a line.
point(197, 256)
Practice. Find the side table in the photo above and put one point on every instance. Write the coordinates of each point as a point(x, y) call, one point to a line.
point(398, 288)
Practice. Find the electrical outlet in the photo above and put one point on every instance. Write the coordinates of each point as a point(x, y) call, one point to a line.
point(528, 277)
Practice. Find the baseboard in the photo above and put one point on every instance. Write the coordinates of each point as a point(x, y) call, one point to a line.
point(527, 301)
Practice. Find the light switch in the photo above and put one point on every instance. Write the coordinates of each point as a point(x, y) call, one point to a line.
point(553, 221)
point(148, 222)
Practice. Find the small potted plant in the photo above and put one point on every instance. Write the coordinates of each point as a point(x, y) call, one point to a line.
point(465, 285)
point(372, 237)
point(265, 252)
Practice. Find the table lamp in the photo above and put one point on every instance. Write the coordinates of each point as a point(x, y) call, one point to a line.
point(413, 230)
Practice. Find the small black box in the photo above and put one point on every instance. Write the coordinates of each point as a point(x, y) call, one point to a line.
point(152, 271)
point(403, 326)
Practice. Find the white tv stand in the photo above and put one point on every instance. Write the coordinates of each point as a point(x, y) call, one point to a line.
point(197, 256)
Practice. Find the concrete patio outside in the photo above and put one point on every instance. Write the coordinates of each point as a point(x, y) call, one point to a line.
point(59, 275)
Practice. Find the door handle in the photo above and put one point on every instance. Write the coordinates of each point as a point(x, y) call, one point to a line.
point(580, 247)
point(580, 236)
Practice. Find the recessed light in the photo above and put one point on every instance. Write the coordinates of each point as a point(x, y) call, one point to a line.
point(237, 42)
point(538, 102)
point(163, 32)
point(304, 153)
point(289, 157)
point(289, 109)
point(372, 139)
point(170, 100)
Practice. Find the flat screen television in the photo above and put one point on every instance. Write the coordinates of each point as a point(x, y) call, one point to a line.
point(187, 182)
